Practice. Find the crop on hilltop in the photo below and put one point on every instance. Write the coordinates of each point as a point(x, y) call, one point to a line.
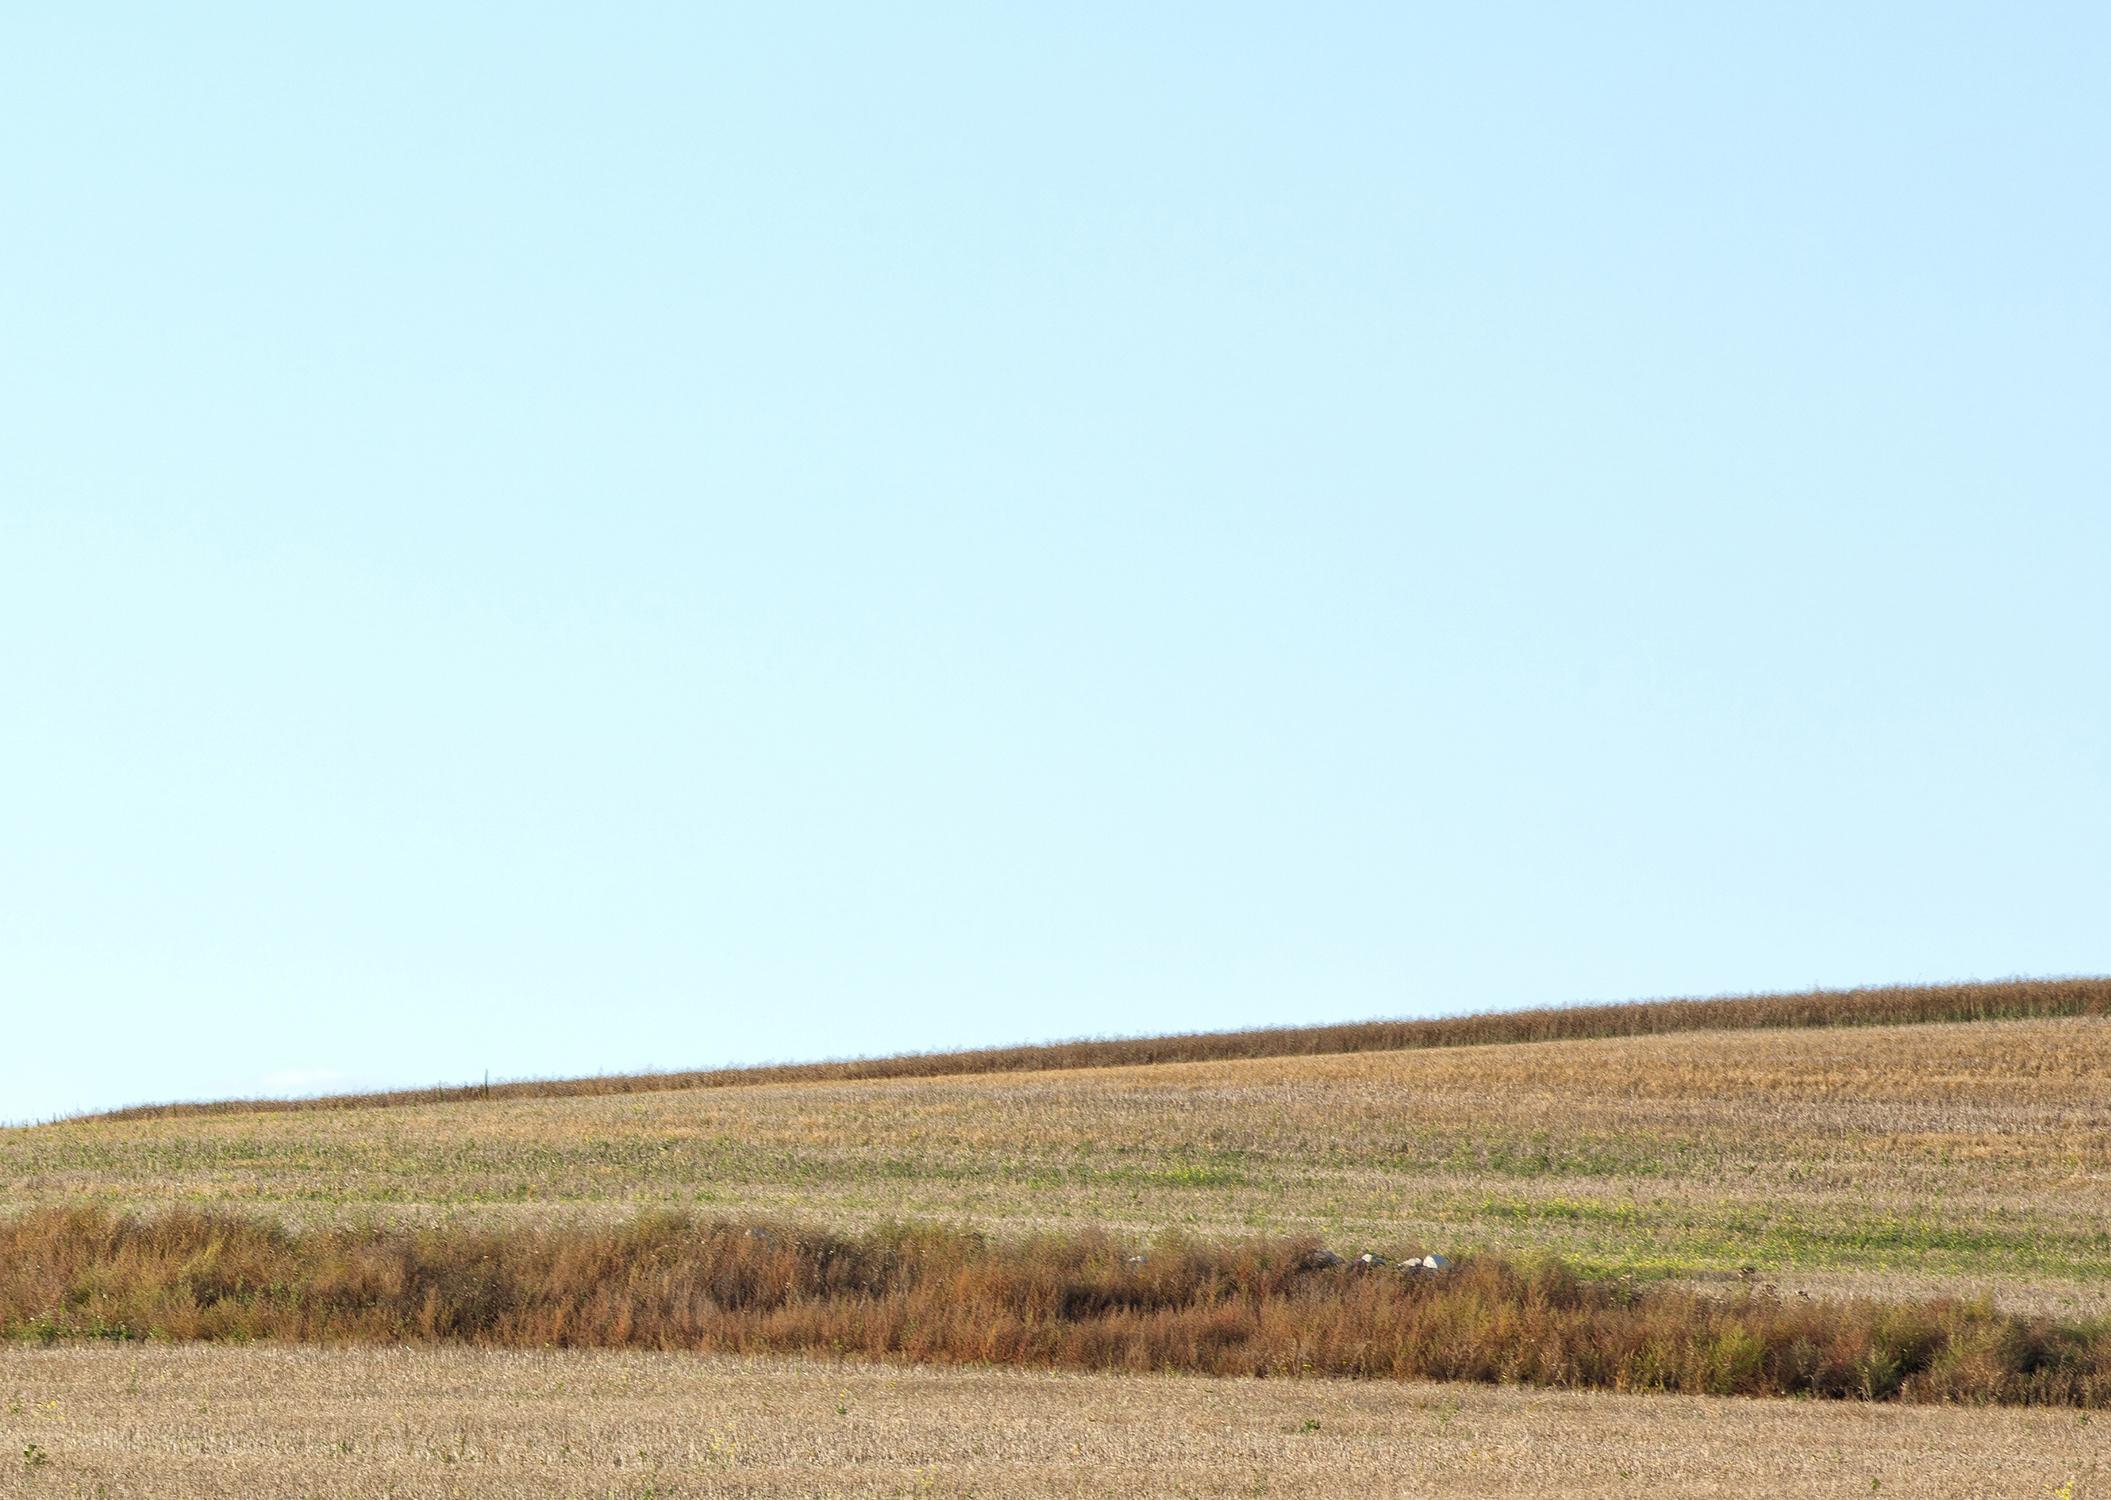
point(1891, 1005)
point(1264, 1307)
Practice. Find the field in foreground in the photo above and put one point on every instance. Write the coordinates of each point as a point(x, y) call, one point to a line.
point(1886, 1160)
point(194, 1421)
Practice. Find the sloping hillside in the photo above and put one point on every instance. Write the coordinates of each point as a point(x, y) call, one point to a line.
point(1873, 1158)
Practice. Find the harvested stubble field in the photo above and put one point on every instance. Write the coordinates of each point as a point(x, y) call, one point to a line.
point(176, 1423)
point(1884, 1160)
point(1872, 1144)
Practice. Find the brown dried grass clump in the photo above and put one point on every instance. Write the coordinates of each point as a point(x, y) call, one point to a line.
point(1259, 1308)
point(1891, 1005)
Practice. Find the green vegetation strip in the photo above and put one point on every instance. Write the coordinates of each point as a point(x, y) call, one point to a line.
point(1260, 1308)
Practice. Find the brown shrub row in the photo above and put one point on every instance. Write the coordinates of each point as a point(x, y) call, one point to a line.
point(1261, 1308)
point(2017, 999)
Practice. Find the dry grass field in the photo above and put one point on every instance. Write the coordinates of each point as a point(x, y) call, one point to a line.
point(1880, 1159)
point(1968, 1157)
point(177, 1423)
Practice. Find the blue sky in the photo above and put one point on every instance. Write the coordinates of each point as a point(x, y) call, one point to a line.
point(548, 541)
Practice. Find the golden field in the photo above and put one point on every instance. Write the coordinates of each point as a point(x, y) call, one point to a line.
point(1966, 1158)
point(1970, 1157)
point(177, 1423)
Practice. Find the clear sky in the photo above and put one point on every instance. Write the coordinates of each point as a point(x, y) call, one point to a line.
point(556, 539)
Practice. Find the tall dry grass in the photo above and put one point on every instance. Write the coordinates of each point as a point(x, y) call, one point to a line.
point(2018, 999)
point(951, 1296)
